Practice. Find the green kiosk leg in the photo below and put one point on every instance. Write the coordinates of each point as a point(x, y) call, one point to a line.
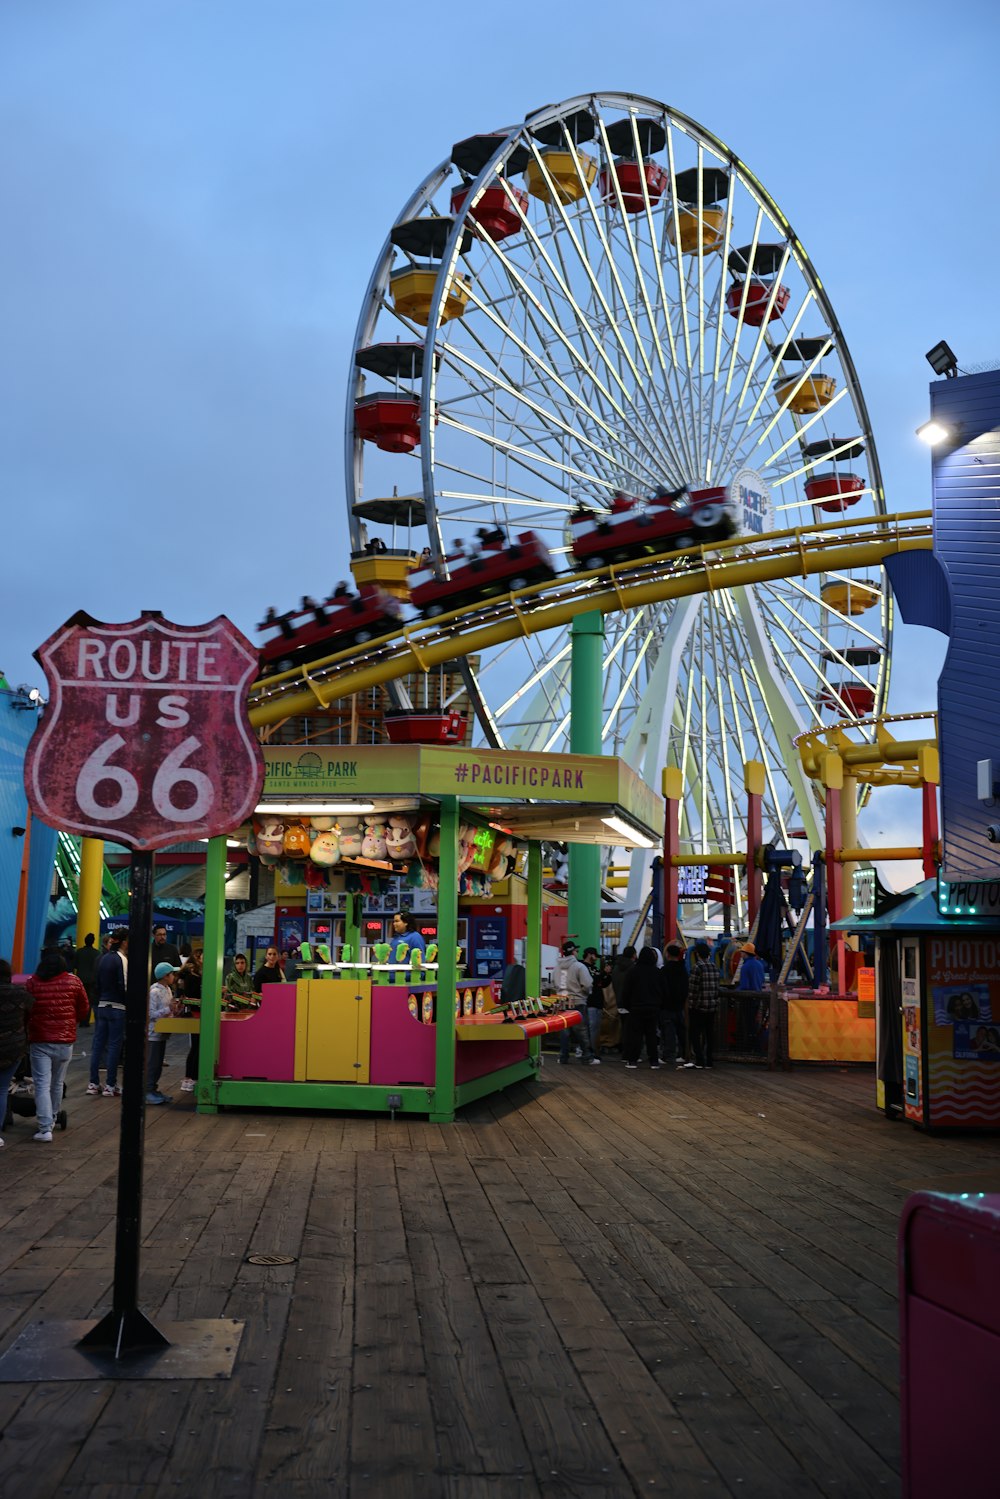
point(533, 940)
point(586, 697)
point(211, 984)
point(443, 1110)
point(352, 934)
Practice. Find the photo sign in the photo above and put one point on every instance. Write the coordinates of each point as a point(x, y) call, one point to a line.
point(145, 740)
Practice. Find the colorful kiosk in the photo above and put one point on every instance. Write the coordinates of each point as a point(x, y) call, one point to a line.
point(368, 1036)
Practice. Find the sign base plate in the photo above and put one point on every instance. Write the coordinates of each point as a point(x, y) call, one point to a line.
point(204, 1348)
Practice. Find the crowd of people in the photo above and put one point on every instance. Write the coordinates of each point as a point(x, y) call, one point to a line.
point(68, 991)
point(662, 1004)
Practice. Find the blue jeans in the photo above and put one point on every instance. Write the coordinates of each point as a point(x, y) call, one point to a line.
point(49, 1060)
point(595, 1018)
point(109, 1031)
point(156, 1049)
point(577, 1034)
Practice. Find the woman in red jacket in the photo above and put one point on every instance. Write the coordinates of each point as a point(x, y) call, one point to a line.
point(60, 1003)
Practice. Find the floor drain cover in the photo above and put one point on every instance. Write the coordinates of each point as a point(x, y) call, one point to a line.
point(271, 1259)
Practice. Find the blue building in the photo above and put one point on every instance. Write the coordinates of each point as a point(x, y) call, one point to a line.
point(18, 718)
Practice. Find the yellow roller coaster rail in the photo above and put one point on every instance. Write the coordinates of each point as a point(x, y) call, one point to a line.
point(878, 758)
point(833, 546)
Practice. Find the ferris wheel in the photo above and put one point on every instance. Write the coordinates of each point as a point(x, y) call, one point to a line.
point(578, 314)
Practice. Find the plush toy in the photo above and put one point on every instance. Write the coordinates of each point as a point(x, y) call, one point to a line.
point(373, 843)
point(502, 860)
point(466, 846)
point(321, 824)
point(270, 835)
point(297, 840)
point(315, 877)
point(400, 843)
point(349, 830)
point(434, 843)
point(325, 850)
point(252, 849)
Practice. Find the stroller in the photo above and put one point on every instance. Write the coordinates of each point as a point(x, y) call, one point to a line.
point(21, 1098)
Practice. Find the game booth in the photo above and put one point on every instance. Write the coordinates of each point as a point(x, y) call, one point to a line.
point(375, 1027)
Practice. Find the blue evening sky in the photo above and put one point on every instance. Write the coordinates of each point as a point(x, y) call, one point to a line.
point(194, 192)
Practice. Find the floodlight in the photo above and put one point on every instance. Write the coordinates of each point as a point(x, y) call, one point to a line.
point(935, 432)
point(942, 360)
point(629, 833)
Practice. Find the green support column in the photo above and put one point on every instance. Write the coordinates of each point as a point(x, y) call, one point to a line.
point(443, 1110)
point(211, 984)
point(352, 934)
point(533, 942)
point(586, 696)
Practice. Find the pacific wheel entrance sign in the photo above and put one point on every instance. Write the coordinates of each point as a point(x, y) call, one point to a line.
point(145, 740)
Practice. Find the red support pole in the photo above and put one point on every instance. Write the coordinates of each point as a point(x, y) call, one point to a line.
point(931, 833)
point(753, 780)
point(673, 787)
point(21, 917)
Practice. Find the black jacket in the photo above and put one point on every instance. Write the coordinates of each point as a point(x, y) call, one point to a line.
point(642, 993)
point(675, 986)
point(15, 1002)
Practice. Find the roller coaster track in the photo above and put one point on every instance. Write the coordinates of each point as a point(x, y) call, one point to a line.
point(833, 546)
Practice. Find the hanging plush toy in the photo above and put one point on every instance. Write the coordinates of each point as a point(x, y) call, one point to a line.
point(297, 840)
point(270, 835)
point(315, 877)
point(349, 830)
point(400, 843)
point(373, 843)
point(321, 824)
point(466, 846)
point(325, 850)
point(502, 859)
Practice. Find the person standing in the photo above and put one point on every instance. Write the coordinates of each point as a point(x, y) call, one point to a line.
point(60, 1003)
point(189, 981)
point(619, 969)
point(161, 1004)
point(269, 972)
point(85, 965)
point(574, 979)
point(672, 1017)
point(163, 951)
point(595, 1002)
point(404, 934)
point(703, 1004)
point(753, 977)
point(15, 1003)
point(109, 1016)
point(642, 1000)
point(237, 987)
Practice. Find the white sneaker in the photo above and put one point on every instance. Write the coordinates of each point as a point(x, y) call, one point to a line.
point(2, 1143)
point(578, 1052)
point(594, 1062)
point(93, 1090)
point(187, 1085)
point(44, 1135)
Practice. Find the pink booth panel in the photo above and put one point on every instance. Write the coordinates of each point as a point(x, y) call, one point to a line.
point(949, 1271)
point(262, 1044)
point(403, 1048)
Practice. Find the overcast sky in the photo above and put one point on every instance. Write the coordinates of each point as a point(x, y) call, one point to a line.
point(194, 191)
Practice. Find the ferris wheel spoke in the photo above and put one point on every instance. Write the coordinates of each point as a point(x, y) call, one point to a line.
point(794, 585)
point(774, 601)
point(743, 298)
point(749, 660)
point(717, 677)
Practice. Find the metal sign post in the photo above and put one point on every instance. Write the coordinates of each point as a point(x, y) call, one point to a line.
point(146, 743)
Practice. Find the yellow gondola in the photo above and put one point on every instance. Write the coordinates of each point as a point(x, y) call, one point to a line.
point(812, 395)
point(850, 598)
point(412, 292)
point(572, 172)
point(698, 239)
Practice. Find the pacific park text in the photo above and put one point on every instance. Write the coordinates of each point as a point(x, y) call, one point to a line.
point(520, 775)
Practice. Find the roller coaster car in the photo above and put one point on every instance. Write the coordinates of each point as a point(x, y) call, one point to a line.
point(494, 569)
point(322, 629)
point(669, 520)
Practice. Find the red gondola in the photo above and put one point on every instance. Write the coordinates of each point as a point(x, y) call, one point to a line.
point(833, 491)
point(494, 212)
point(389, 419)
point(630, 175)
point(758, 296)
point(854, 699)
point(493, 569)
point(313, 630)
point(666, 521)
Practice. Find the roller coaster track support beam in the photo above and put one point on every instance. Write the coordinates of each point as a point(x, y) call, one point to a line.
point(754, 776)
point(673, 790)
point(931, 832)
point(586, 698)
point(88, 898)
point(831, 773)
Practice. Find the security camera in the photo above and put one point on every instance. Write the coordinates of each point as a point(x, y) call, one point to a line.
point(993, 832)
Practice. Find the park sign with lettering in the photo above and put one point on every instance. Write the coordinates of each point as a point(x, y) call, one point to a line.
point(473, 775)
point(145, 740)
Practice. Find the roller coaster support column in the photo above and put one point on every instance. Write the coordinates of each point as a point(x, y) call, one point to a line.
point(213, 952)
point(832, 776)
point(754, 773)
point(443, 1107)
point(88, 897)
point(848, 839)
point(585, 725)
point(673, 789)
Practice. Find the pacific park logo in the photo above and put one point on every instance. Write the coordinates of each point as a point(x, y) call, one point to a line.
point(750, 499)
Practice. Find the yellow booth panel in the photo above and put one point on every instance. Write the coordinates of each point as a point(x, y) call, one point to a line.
point(829, 1030)
point(333, 1021)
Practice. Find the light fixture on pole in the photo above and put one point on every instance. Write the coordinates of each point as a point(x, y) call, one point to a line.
point(942, 360)
point(629, 834)
point(933, 433)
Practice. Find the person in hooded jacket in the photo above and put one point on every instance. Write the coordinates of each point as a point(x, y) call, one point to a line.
point(641, 1002)
point(60, 1004)
point(575, 980)
point(15, 1002)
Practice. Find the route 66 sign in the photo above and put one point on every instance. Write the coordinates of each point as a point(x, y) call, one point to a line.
point(145, 740)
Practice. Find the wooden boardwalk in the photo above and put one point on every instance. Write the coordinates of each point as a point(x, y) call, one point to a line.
point(609, 1284)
